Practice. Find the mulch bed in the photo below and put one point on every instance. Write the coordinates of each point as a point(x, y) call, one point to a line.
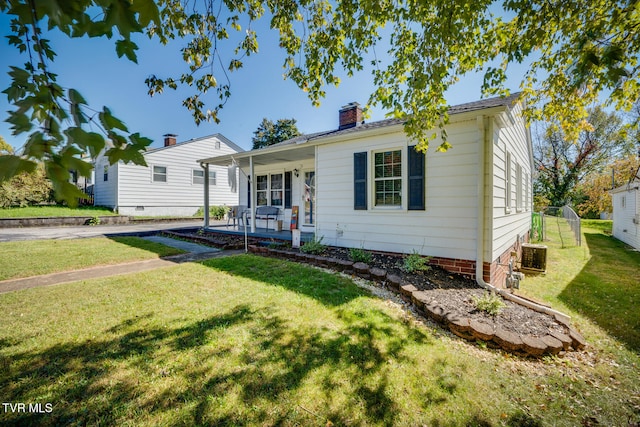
point(443, 296)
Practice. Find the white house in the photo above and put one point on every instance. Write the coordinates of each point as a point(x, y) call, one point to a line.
point(626, 213)
point(363, 185)
point(172, 182)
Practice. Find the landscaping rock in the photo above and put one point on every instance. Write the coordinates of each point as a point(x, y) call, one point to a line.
point(564, 339)
point(435, 312)
point(459, 325)
point(507, 340)
point(362, 270)
point(378, 274)
point(577, 340)
point(406, 291)
point(554, 345)
point(533, 346)
point(419, 299)
point(481, 331)
point(395, 282)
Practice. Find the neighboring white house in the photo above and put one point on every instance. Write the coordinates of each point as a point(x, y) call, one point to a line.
point(364, 186)
point(172, 183)
point(626, 213)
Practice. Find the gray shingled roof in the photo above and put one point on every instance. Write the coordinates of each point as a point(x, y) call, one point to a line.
point(456, 109)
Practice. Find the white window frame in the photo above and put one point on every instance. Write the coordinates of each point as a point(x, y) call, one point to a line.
point(153, 174)
point(273, 190)
point(519, 187)
point(105, 173)
point(200, 178)
point(526, 191)
point(402, 178)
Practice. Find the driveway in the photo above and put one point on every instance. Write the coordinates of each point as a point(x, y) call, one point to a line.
point(47, 233)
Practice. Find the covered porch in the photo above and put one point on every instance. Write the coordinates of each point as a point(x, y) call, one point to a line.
point(261, 233)
point(280, 177)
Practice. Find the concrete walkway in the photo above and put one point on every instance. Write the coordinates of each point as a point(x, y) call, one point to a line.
point(196, 253)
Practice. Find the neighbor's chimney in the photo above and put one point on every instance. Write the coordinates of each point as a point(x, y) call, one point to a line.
point(169, 139)
point(350, 116)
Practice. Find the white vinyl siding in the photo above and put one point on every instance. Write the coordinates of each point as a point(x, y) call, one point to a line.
point(446, 228)
point(626, 214)
point(509, 147)
point(177, 196)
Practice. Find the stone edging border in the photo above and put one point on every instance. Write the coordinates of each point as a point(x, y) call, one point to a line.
point(469, 329)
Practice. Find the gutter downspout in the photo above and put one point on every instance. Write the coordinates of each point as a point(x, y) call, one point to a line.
point(483, 140)
point(206, 193)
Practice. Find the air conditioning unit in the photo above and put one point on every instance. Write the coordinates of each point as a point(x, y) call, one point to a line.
point(534, 258)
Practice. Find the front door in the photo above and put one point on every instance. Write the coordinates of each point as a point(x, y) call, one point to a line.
point(309, 199)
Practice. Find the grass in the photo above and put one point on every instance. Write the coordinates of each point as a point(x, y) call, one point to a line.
point(597, 283)
point(247, 340)
point(54, 211)
point(36, 257)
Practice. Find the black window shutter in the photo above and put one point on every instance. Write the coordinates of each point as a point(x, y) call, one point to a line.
point(360, 181)
point(416, 179)
point(287, 190)
point(249, 191)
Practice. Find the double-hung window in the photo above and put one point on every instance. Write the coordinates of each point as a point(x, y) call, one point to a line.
point(387, 168)
point(198, 176)
point(390, 179)
point(277, 189)
point(262, 189)
point(270, 189)
point(159, 174)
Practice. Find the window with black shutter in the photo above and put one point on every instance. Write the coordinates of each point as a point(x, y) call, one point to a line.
point(360, 181)
point(416, 179)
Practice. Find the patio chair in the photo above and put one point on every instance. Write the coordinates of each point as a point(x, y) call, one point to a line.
point(235, 214)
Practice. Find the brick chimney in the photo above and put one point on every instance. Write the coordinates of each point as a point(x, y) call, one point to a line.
point(169, 139)
point(350, 116)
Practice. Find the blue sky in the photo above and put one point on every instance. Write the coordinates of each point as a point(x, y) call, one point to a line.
point(258, 90)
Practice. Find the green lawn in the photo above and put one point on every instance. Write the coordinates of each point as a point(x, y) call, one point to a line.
point(36, 257)
point(54, 211)
point(247, 340)
point(598, 283)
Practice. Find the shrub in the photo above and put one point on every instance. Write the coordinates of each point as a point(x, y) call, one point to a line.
point(416, 262)
point(95, 220)
point(25, 189)
point(215, 212)
point(313, 246)
point(489, 302)
point(360, 255)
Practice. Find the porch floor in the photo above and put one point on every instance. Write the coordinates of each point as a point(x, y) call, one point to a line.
point(261, 233)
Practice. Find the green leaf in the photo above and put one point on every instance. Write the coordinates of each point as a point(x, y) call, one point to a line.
point(110, 122)
point(147, 11)
point(127, 47)
point(11, 165)
point(20, 122)
point(140, 142)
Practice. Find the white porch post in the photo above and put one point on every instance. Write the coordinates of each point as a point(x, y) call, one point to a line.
point(206, 193)
point(254, 194)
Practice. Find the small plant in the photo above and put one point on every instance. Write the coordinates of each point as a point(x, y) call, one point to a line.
point(415, 262)
point(313, 246)
point(215, 212)
point(360, 255)
point(94, 221)
point(489, 302)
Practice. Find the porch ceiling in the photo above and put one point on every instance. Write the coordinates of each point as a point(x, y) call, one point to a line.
point(266, 156)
